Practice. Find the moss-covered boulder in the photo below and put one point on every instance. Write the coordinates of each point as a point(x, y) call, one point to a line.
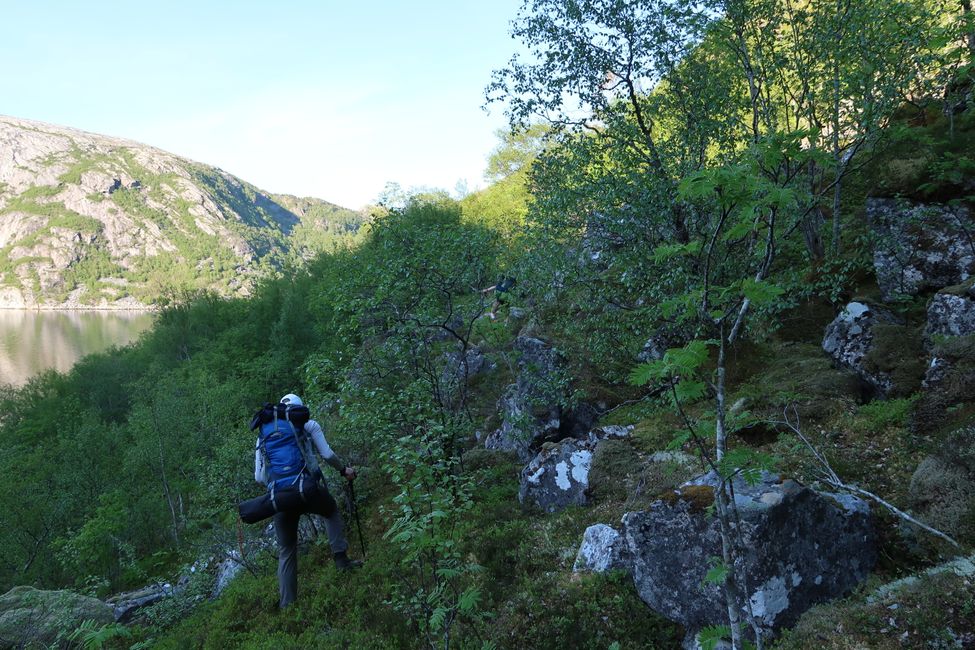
point(929, 610)
point(943, 486)
point(614, 463)
point(33, 618)
point(884, 352)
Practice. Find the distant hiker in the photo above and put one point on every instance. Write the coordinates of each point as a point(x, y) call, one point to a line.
point(504, 285)
point(284, 461)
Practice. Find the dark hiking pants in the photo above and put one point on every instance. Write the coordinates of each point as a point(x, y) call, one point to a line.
point(319, 502)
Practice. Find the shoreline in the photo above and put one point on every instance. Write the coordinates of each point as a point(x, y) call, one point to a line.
point(112, 309)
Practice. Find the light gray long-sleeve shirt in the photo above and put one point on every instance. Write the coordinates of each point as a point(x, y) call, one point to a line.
point(314, 431)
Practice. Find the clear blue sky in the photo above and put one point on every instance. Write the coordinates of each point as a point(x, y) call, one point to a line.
point(327, 99)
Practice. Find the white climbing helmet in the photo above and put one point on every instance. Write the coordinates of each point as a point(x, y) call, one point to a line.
point(291, 400)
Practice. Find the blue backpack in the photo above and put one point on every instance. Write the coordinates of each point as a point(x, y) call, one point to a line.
point(279, 443)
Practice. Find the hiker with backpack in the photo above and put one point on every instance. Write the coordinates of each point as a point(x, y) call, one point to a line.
point(285, 462)
point(501, 289)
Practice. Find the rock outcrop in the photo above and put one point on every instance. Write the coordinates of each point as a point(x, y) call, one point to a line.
point(462, 368)
point(532, 408)
point(920, 246)
point(32, 617)
point(92, 221)
point(801, 547)
point(850, 337)
point(227, 570)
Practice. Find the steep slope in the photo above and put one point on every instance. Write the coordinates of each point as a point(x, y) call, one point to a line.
point(91, 220)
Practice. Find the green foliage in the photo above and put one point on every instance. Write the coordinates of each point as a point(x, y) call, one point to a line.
point(677, 190)
point(91, 636)
point(879, 415)
point(718, 572)
point(710, 636)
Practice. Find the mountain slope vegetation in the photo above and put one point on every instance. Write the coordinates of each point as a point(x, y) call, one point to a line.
point(719, 194)
point(88, 220)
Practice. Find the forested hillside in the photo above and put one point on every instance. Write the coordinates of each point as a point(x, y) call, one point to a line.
point(728, 399)
point(94, 221)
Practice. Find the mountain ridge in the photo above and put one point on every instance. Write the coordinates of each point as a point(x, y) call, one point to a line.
point(95, 221)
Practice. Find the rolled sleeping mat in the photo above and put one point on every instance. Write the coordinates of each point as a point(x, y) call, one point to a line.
point(272, 502)
point(256, 509)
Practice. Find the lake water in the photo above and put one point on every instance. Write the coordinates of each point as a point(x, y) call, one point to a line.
point(33, 341)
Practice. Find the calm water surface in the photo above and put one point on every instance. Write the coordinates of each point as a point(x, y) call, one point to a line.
point(33, 341)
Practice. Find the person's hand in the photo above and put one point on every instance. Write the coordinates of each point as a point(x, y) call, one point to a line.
point(349, 473)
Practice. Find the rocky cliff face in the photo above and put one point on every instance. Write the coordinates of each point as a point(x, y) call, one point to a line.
point(93, 221)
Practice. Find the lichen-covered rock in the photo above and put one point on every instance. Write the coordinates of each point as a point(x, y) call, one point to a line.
point(937, 371)
point(532, 408)
point(603, 549)
point(951, 315)
point(227, 571)
point(850, 337)
point(943, 485)
point(558, 476)
point(801, 547)
point(32, 617)
point(656, 347)
point(949, 383)
point(920, 246)
point(126, 606)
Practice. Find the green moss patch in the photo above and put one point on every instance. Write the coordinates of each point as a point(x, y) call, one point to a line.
point(699, 497)
point(899, 352)
point(614, 464)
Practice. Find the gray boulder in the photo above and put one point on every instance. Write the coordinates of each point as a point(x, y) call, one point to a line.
point(603, 549)
point(32, 617)
point(951, 315)
point(849, 339)
point(919, 246)
point(558, 476)
point(801, 547)
point(531, 408)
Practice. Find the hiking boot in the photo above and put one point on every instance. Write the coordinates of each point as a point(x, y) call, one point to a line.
point(343, 563)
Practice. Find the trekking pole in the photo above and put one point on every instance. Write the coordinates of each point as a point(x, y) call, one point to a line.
point(350, 497)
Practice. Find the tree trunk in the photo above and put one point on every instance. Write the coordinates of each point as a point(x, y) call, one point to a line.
point(837, 154)
point(812, 220)
point(966, 10)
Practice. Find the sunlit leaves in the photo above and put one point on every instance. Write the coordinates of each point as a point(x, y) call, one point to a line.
point(677, 362)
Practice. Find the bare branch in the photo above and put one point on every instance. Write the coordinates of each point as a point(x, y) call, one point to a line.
point(831, 478)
